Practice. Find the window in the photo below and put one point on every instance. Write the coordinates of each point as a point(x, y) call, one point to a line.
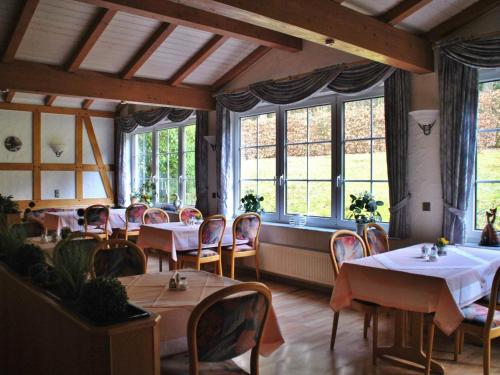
point(166, 155)
point(487, 186)
point(292, 155)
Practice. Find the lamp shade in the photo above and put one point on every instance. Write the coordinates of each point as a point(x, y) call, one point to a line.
point(425, 116)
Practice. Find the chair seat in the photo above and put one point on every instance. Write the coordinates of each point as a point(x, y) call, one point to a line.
point(179, 365)
point(242, 247)
point(476, 314)
point(96, 230)
point(204, 253)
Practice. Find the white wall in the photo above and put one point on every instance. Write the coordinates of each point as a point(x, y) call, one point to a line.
point(18, 124)
point(57, 129)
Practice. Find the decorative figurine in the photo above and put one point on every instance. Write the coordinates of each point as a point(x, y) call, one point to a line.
point(489, 236)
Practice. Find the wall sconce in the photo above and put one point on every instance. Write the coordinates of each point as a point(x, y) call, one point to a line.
point(210, 139)
point(57, 146)
point(425, 118)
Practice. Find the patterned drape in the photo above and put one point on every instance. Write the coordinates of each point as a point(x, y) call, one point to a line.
point(359, 78)
point(397, 106)
point(201, 162)
point(224, 168)
point(458, 91)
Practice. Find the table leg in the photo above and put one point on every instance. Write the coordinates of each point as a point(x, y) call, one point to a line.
point(410, 353)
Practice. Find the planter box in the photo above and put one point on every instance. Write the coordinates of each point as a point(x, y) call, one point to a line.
point(39, 335)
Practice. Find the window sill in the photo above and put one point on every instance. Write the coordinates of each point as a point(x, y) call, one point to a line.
point(305, 227)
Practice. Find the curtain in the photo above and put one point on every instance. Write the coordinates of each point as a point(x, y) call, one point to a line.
point(397, 105)
point(458, 92)
point(224, 166)
point(360, 78)
point(121, 174)
point(201, 162)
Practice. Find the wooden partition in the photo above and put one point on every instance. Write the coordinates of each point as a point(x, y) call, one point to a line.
point(39, 336)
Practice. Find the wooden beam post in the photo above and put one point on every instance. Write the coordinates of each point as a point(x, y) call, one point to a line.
point(173, 12)
point(402, 10)
point(23, 22)
point(37, 155)
point(49, 100)
point(79, 157)
point(329, 23)
point(40, 78)
point(10, 96)
point(87, 103)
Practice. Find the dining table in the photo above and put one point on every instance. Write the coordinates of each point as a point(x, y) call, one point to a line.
point(413, 285)
point(55, 221)
point(151, 292)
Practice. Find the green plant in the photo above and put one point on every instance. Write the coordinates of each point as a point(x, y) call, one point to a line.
point(8, 205)
point(364, 208)
point(103, 299)
point(11, 239)
point(252, 203)
point(146, 192)
point(26, 257)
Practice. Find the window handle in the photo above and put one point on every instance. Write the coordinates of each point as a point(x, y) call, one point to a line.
point(339, 181)
point(181, 178)
point(282, 180)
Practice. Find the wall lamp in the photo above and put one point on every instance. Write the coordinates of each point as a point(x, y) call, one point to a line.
point(425, 119)
point(57, 146)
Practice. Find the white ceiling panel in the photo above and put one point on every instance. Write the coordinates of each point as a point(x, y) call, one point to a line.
point(174, 52)
point(433, 14)
point(124, 36)
point(25, 98)
point(371, 7)
point(55, 30)
point(223, 59)
point(102, 105)
point(67, 102)
point(9, 10)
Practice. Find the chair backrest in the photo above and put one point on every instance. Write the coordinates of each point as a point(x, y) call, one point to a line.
point(345, 245)
point(376, 239)
point(494, 299)
point(116, 258)
point(211, 232)
point(134, 214)
point(96, 215)
point(155, 216)
point(188, 212)
point(224, 326)
point(247, 227)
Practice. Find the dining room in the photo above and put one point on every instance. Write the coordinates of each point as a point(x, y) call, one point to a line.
point(258, 187)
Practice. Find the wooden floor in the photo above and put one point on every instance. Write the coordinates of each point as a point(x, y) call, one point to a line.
point(305, 319)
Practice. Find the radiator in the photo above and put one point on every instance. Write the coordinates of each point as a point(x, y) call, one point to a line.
point(296, 263)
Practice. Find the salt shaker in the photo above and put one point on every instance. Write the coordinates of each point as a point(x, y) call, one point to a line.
point(433, 256)
point(425, 252)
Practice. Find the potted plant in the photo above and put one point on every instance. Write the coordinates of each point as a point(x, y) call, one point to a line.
point(364, 209)
point(252, 203)
point(9, 211)
point(145, 193)
point(441, 244)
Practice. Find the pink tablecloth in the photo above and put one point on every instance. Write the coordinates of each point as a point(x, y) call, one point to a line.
point(58, 220)
point(401, 279)
point(174, 237)
point(150, 291)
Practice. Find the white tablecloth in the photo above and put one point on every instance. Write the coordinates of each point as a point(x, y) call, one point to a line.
point(58, 220)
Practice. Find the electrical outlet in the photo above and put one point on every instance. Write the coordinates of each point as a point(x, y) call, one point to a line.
point(56, 193)
point(426, 206)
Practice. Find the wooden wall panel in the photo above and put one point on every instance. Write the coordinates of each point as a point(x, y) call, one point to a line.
point(37, 156)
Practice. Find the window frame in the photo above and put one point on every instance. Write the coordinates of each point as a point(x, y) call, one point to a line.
point(155, 129)
point(336, 102)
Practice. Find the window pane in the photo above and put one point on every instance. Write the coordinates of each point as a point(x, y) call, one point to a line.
point(320, 201)
point(163, 165)
point(248, 163)
point(320, 128)
point(489, 105)
point(173, 188)
point(357, 160)
point(296, 162)
point(190, 199)
point(488, 156)
point(488, 196)
point(145, 143)
point(248, 187)
point(173, 166)
point(357, 119)
point(378, 117)
point(381, 193)
point(267, 162)
point(296, 125)
point(189, 137)
point(379, 160)
point(189, 163)
point(267, 129)
point(163, 195)
point(320, 161)
point(268, 190)
point(248, 131)
point(296, 197)
point(353, 188)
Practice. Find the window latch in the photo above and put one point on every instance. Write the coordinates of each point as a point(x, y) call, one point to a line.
point(282, 180)
point(181, 179)
point(339, 181)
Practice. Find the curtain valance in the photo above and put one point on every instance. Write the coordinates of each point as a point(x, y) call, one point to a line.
point(475, 53)
point(151, 117)
point(360, 78)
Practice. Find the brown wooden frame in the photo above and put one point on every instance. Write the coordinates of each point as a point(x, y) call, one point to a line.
point(116, 243)
point(232, 253)
point(197, 259)
point(208, 302)
point(84, 235)
point(105, 234)
point(365, 236)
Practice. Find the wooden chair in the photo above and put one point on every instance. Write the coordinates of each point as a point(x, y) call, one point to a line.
point(347, 245)
point(209, 250)
point(480, 321)
point(116, 258)
point(188, 212)
point(133, 219)
point(246, 229)
point(376, 239)
point(221, 327)
point(155, 216)
point(96, 219)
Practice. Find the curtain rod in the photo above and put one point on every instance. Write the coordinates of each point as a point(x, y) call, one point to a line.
point(297, 76)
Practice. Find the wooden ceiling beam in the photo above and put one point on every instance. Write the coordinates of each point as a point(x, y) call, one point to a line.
point(329, 23)
point(239, 68)
point(9, 96)
point(22, 24)
point(402, 10)
point(173, 12)
point(49, 100)
point(162, 33)
point(464, 17)
point(90, 39)
point(199, 57)
point(40, 78)
point(87, 103)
